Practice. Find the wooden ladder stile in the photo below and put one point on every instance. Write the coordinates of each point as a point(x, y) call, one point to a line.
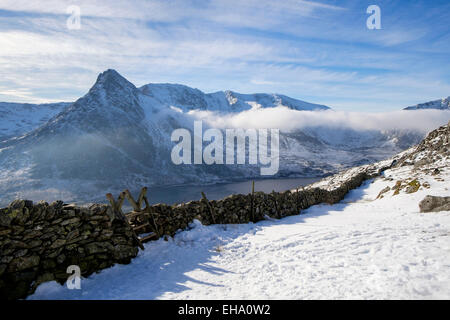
point(131, 200)
point(137, 226)
point(138, 211)
point(117, 209)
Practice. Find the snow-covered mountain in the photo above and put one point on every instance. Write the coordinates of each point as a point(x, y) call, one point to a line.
point(19, 118)
point(442, 104)
point(187, 98)
point(117, 136)
point(114, 137)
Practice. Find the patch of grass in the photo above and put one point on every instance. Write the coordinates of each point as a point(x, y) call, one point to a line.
point(413, 186)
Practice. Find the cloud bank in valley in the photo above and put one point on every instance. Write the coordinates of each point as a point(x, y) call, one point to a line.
point(287, 119)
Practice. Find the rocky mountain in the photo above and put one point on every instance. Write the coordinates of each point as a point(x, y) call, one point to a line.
point(118, 136)
point(113, 137)
point(442, 104)
point(431, 154)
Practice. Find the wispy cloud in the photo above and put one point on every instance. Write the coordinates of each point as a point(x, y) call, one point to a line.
point(312, 50)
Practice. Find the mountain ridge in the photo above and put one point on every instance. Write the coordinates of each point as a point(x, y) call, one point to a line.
point(118, 136)
point(440, 104)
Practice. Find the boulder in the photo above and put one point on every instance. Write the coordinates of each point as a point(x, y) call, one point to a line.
point(434, 204)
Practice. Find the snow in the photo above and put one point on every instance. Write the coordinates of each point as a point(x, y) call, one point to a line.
point(187, 98)
point(19, 118)
point(442, 104)
point(360, 248)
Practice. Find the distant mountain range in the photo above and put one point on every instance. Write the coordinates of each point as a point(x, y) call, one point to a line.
point(187, 98)
point(442, 104)
point(117, 136)
point(19, 118)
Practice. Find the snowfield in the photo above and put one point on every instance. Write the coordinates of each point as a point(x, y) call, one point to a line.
point(360, 248)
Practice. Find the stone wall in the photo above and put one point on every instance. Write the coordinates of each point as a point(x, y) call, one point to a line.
point(38, 242)
point(166, 220)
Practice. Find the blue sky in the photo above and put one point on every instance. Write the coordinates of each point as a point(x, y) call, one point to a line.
point(317, 51)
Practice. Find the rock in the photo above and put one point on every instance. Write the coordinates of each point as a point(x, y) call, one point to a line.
point(54, 253)
point(19, 244)
point(58, 243)
point(434, 204)
point(17, 230)
point(57, 204)
point(20, 253)
point(5, 232)
point(72, 234)
point(48, 264)
point(60, 259)
point(23, 263)
point(32, 234)
point(380, 195)
point(44, 278)
point(96, 247)
point(2, 269)
point(70, 221)
point(123, 252)
point(6, 259)
point(420, 163)
point(20, 204)
point(34, 243)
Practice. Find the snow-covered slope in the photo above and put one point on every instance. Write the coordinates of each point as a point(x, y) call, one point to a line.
point(361, 248)
point(375, 244)
point(442, 104)
point(17, 119)
point(187, 98)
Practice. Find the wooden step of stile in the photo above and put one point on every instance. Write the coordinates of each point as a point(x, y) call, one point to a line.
point(142, 226)
point(148, 237)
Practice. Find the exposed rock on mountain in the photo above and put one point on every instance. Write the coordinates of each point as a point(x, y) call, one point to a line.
point(430, 154)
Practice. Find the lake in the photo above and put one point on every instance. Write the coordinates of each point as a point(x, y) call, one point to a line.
point(177, 194)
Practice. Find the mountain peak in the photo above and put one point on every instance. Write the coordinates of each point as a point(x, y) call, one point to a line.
point(441, 104)
point(110, 75)
point(111, 92)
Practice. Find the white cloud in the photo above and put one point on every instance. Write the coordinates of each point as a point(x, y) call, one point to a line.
point(287, 119)
point(173, 10)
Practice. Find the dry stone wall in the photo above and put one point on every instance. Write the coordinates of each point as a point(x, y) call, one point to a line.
point(166, 220)
point(39, 241)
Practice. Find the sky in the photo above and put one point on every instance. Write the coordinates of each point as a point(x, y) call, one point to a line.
point(317, 51)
